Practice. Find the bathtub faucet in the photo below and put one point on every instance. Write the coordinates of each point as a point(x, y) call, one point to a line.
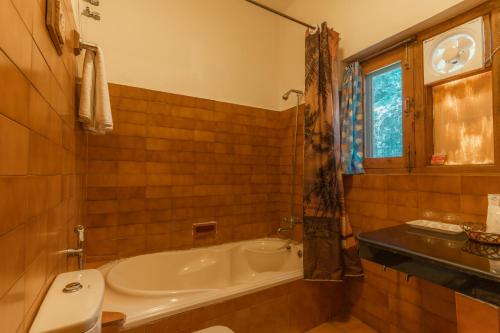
point(291, 221)
point(283, 229)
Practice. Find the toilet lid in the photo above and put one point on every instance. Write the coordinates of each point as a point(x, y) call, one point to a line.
point(215, 329)
point(71, 312)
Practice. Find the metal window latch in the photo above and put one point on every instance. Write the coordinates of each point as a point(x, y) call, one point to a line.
point(407, 106)
point(407, 57)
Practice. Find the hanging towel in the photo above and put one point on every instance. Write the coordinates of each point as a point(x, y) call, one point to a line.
point(330, 249)
point(95, 108)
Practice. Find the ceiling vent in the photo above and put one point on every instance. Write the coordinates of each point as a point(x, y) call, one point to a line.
point(456, 51)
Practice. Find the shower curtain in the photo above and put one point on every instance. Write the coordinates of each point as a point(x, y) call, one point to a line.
point(330, 250)
point(351, 120)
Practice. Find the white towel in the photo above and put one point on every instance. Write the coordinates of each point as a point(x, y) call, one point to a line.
point(95, 108)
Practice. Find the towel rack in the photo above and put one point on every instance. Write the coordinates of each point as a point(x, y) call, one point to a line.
point(88, 46)
point(81, 45)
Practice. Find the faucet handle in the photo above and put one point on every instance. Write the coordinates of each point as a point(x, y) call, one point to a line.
point(294, 219)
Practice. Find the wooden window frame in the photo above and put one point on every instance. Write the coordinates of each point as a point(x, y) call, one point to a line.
point(372, 65)
point(424, 126)
point(421, 109)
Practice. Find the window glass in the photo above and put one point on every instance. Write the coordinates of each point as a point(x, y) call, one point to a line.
point(384, 112)
point(463, 120)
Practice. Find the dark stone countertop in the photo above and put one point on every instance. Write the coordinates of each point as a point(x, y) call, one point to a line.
point(448, 260)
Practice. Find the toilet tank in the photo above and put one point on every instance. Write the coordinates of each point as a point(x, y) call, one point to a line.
point(73, 304)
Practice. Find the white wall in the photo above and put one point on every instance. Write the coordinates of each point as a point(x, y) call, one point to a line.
point(232, 51)
point(224, 50)
point(361, 24)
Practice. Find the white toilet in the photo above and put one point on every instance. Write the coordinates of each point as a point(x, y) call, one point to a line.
point(73, 304)
point(216, 329)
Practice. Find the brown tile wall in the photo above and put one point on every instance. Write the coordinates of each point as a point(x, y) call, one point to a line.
point(175, 160)
point(40, 165)
point(389, 303)
point(294, 307)
point(385, 300)
point(287, 121)
point(375, 201)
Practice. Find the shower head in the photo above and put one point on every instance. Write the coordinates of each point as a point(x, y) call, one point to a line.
point(287, 94)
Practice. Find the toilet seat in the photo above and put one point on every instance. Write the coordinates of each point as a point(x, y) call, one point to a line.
point(215, 329)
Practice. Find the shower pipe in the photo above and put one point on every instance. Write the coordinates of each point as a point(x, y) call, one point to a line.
point(299, 94)
point(274, 11)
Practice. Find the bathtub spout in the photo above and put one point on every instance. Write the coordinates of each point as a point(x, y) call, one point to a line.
point(287, 245)
point(283, 229)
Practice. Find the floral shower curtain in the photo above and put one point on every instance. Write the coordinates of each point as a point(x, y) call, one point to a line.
point(330, 250)
point(351, 120)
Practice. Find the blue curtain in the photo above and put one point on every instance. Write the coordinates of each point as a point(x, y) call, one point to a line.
point(351, 120)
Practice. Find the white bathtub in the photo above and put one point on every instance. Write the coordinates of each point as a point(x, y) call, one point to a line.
point(153, 286)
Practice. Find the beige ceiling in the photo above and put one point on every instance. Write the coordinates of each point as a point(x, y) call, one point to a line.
point(276, 4)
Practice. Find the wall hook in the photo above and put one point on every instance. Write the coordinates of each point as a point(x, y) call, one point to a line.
point(93, 2)
point(94, 15)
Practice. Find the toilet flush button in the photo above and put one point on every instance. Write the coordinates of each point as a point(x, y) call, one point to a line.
point(72, 287)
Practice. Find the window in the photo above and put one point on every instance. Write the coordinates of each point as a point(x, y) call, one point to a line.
point(458, 124)
point(384, 112)
point(386, 95)
point(463, 120)
point(433, 125)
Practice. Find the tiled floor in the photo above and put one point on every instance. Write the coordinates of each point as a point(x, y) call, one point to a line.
point(351, 325)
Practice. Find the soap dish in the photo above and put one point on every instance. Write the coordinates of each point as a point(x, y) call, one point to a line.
point(477, 232)
point(446, 228)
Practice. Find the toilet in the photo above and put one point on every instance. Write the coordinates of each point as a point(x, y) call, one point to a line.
point(215, 329)
point(73, 304)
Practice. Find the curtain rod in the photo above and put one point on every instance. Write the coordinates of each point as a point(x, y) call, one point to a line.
point(384, 50)
point(280, 14)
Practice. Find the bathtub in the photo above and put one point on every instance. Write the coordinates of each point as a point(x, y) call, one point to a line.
point(153, 286)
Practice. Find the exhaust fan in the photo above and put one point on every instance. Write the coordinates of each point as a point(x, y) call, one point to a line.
point(456, 51)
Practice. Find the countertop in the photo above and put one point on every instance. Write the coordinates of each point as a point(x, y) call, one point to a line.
point(448, 260)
